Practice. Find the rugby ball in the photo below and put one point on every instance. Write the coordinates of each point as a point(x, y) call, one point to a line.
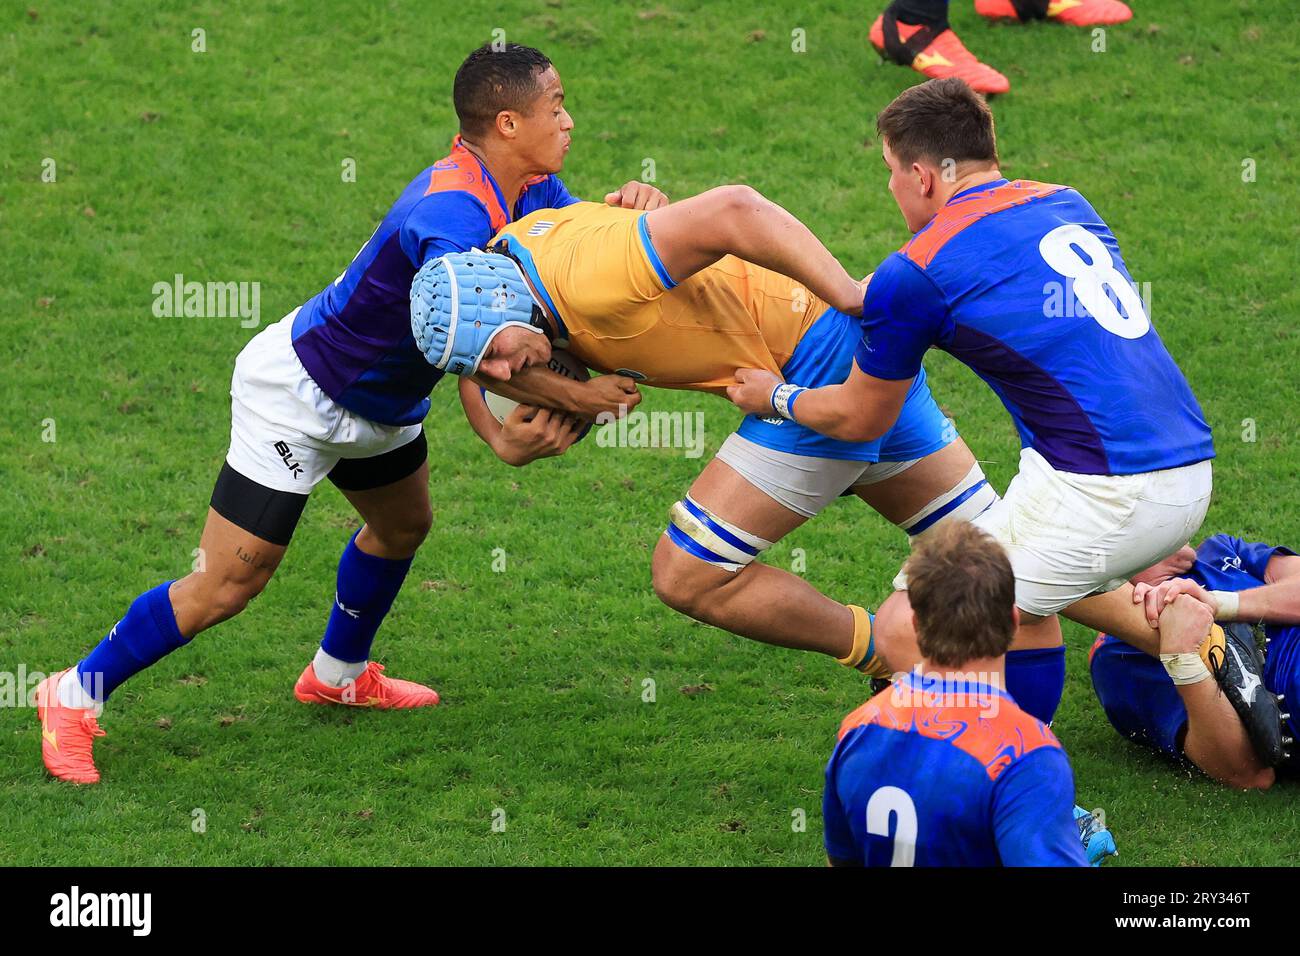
point(561, 362)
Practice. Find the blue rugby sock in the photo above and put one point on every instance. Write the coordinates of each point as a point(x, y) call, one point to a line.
point(367, 586)
point(144, 636)
point(1036, 680)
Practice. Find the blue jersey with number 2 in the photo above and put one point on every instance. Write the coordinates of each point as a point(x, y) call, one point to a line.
point(936, 771)
point(1024, 283)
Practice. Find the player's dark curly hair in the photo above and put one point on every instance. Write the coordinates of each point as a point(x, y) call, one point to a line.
point(495, 77)
point(962, 591)
point(938, 120)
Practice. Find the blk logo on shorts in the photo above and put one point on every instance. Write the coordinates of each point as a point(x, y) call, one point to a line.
point(286, 454)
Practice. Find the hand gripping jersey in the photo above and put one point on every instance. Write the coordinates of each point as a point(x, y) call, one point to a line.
point(597, 269)
point(354, 337)
point(936, 771)
point(1137, 695)
point(1024, 283)
point(620, 311)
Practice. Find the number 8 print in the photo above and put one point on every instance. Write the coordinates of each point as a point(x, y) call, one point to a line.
point(1091, 279)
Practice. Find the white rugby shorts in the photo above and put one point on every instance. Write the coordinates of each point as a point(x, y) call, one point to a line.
point(802, 483)
point(1070, 536)
point(285, 433)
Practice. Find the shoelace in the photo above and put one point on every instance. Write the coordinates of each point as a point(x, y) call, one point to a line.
point(84, 747)
point(374, 670)
point(1217, 667)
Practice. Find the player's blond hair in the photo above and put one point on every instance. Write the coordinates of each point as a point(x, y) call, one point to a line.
point(963, 592)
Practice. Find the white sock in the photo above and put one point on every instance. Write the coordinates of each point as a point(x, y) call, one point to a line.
point(72, 694)
point(334, 672)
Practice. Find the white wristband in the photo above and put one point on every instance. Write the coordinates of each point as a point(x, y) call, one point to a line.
point(1228, 603)
point(783, 397)
point(1185, 668)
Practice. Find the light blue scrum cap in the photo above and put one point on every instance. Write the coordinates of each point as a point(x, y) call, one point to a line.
point(460, 301)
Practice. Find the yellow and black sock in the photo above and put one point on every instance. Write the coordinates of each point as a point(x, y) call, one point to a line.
point(863, 656)
point(1213, 648)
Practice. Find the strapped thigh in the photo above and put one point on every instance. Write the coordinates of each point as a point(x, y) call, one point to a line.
point(715, 540)
point(964, 501)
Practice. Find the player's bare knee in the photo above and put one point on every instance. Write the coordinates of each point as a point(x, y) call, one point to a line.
point(737, 197)
point(673, 583)
point(675, 591)
point(729, 206)
point(206, 598)
point(719, 217)
point(421, 525)
point(701, 560)
point(404, 539)
point(232, 595)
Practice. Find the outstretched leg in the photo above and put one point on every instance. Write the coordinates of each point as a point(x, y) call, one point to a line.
point(755, 600)
point(231, 568)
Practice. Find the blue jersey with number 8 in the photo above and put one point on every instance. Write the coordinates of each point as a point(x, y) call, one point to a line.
point(1024, 283)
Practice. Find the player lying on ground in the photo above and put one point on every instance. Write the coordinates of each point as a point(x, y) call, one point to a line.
point(337, 389)
point(1173, 705)
point(943, 768)
point(1023, 283)
point(669, 298)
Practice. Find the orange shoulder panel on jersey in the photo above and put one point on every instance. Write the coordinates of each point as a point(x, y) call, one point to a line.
point(460, 170)
point(961, 213)
point(996, 740)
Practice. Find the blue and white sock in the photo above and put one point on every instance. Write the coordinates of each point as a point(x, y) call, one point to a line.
point(144, 636)
point(366, 589)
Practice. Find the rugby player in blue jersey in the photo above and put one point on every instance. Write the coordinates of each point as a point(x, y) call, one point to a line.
point(1024, 283)
point(1171, 704)
point(943, 768)
point(338, 390)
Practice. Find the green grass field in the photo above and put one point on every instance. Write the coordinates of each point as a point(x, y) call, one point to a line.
point(226, 165)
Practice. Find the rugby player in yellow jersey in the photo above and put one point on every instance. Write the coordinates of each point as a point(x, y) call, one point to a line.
point(680, 297)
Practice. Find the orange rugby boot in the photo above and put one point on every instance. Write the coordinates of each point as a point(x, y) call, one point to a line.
point(934, 54)
point(67, 735)
point(371, 689)
point(1075, 13)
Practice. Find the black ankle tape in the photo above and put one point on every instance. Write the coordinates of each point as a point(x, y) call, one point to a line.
point(1031, 9)
point(932, 13)
point(902, 52)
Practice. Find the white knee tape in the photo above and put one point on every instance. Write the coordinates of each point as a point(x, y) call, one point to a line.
point(706, 536)
point(965, 501)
